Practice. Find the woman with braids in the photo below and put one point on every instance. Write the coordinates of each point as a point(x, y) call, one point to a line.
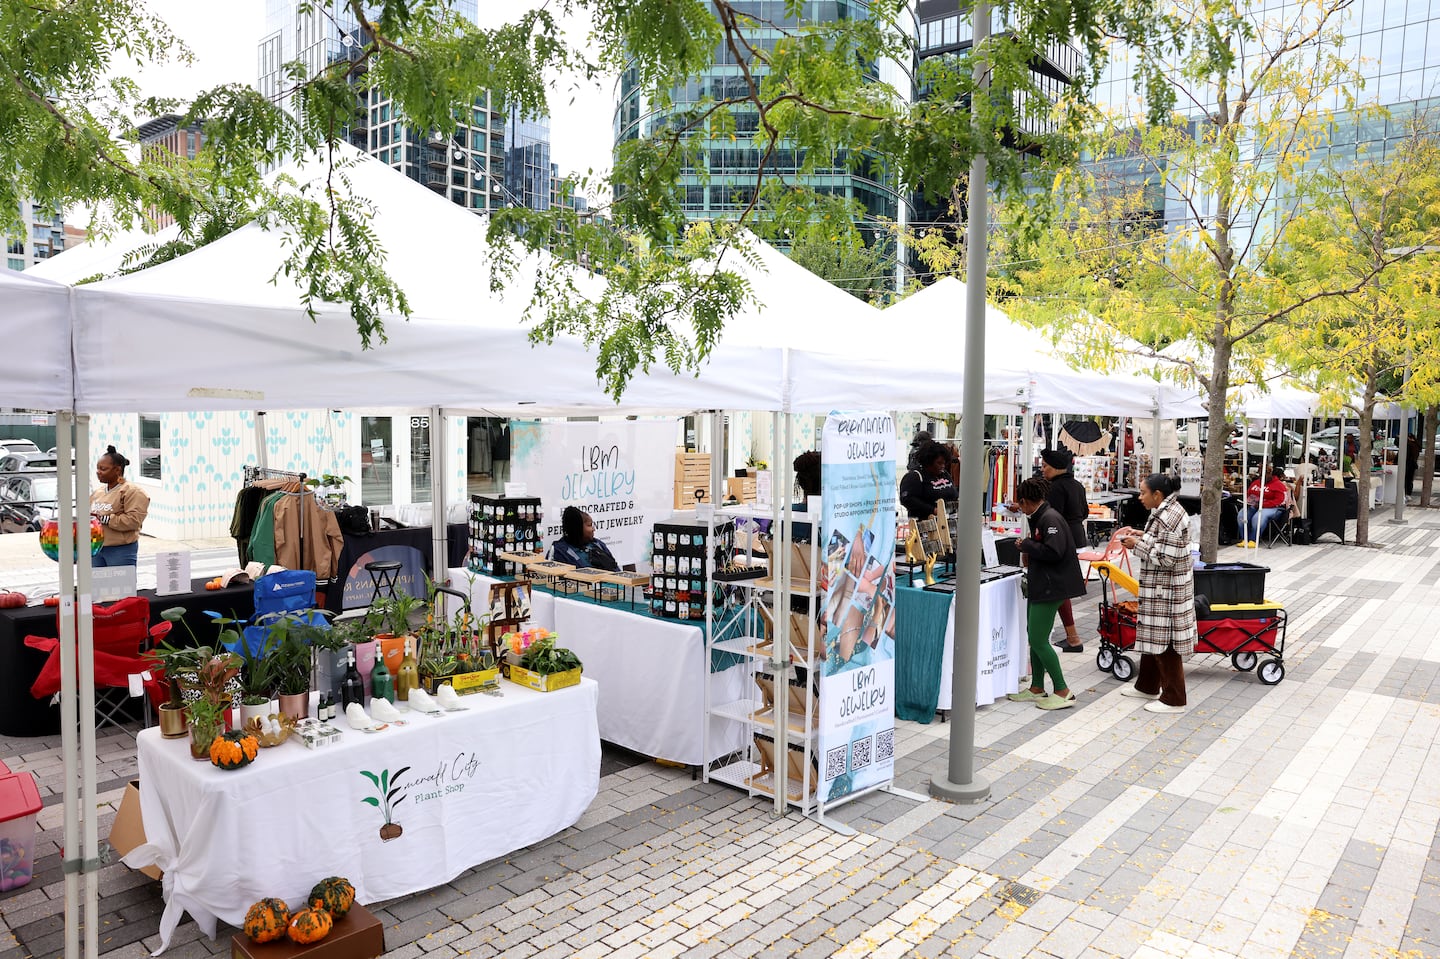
point(1054, 576)
point(1165, 626)
point(120, 506)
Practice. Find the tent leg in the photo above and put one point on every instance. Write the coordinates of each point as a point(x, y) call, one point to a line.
point(262, 441)
point(69, 721)
point(85, 669)
point(439, 492)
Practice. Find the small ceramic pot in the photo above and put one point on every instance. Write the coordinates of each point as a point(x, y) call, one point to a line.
point(297, 707)
point(172, 721)
point(248, 713)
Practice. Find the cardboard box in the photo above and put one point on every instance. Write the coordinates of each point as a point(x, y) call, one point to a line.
point(358, 936)
point(464, 683)
point(128, 830)
point(540, 683)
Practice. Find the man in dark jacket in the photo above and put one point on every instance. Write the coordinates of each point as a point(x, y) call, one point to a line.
point(1068, 497)
point(1054, 576)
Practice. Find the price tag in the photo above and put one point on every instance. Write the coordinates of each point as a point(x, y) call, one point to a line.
point(514, 489)
point(137, 685)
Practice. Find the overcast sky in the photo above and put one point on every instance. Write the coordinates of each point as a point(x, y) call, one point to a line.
point(224, 37)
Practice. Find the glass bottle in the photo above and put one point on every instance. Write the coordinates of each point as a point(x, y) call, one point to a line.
point(381, 685)
point(352, 687)
point(408, 676)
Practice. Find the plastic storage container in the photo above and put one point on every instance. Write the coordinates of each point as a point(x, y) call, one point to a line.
point(1232, 583)
point(19, 802)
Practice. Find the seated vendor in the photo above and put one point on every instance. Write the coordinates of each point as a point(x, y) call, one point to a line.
point(807, 477)
point(928, 483)
point(577, 544)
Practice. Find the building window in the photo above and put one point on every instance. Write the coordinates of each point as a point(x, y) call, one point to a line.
point(190, 145)
point(15, 264)
point(149, 451)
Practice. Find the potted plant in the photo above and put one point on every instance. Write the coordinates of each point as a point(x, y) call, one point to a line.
point(329, 489)
point(291, 638)
point(257, 680)
point(535, 661)
point(206, 713)
point(180, 665)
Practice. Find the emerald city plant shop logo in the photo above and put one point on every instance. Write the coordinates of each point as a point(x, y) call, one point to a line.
point(388, 797)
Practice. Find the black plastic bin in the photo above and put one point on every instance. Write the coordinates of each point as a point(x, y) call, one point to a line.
point(1231, 583)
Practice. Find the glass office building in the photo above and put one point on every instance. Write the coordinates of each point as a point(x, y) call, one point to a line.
point(722, 181)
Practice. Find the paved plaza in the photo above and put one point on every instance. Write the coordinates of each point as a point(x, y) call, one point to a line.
point(1298, 820)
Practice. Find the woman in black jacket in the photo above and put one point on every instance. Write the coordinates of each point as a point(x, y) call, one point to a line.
point(1068, 497)
point(1054, 573)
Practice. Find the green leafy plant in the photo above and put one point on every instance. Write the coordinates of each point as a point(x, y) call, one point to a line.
point(291, 638)
point(178, 662)
point(544, 658)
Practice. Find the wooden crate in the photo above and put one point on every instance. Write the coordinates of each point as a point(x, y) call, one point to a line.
point(692, 472)
point(741, 487)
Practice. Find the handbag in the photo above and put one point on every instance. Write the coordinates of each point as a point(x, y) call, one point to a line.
point(353, 520)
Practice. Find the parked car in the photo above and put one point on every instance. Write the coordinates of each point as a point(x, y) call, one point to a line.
point(27, 500)
point(17, 446)
point(1290, 442)
point(16, 462)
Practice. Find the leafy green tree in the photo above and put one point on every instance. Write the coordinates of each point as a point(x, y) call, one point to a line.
point(1253, 90)
point(1385, 333)
point(841, 255)
point(71, 113)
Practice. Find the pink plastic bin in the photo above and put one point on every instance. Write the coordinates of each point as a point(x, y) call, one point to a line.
point(19, 802)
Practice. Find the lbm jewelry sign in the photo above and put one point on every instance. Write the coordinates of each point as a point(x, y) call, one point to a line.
point(622, 473)
point(857, 680)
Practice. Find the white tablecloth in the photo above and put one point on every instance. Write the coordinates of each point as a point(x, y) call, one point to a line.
point(651, 674)
point(1003, 646)
point(466, 788)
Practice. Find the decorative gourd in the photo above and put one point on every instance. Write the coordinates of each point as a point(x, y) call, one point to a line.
point(335, 895)
point(12, 600)
point(267, 920)
point(233, 750)
point(310, 925)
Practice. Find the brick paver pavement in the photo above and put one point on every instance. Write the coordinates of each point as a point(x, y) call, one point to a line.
point(1298, 820)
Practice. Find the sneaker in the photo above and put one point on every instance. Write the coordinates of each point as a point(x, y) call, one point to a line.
point(1134, 693)
point(1025, 696)
point(1159, 707)
point(1055, 702)
point(1067, 648)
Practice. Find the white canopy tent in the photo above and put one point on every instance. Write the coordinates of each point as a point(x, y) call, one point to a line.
point(36, 320)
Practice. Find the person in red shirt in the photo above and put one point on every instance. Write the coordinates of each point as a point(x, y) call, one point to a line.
point(1265, 503)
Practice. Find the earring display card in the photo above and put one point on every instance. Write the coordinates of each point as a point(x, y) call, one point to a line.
point(502, 524)
point(681, 556)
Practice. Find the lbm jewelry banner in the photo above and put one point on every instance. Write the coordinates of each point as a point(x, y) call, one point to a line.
point(857, 581)
point(621, 472)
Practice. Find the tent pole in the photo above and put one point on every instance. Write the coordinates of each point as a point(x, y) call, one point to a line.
point(1301, 501)
point(780, 649)
point(1027, 446)
point(1244, 477)
point(69, 721)
point(439, 492)
point(959, 783)
point(262, 442)
point(85, 670)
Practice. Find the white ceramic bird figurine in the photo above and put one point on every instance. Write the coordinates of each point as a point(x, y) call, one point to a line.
point(384, 711)
point(421, 701)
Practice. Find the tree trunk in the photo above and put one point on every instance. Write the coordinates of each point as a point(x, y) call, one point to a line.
point(1428, 423)
point(1212, 479)
point(1362, 463)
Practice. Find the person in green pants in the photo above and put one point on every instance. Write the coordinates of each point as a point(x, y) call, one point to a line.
point(1054, 576)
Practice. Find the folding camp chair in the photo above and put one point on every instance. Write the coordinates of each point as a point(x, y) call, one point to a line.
point(1281, 530)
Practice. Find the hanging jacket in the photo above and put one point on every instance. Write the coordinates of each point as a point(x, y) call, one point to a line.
point(323, 540)
point(262, 535)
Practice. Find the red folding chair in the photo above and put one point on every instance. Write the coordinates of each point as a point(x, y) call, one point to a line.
point(1114, 552)
point(122, 634)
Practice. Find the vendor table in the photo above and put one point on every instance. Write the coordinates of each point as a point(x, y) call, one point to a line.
point(23, 715)
point(354, 588)
point(925, 641)
point(472, 786)
point(652, 673)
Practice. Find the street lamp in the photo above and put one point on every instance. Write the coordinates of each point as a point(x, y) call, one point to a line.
point(1401, 452)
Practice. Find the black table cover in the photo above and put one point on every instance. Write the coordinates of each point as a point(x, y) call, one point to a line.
point(21, 714)
point(1327, 509)
point(418, 537)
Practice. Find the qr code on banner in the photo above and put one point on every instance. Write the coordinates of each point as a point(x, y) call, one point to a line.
point(860, 751)
point(885, 746)
point(834, 763)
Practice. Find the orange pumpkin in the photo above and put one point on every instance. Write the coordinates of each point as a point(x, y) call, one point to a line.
point(267, 920)
point(233, 750)
point(310, 925)
point(335, 895)
point(12, 600)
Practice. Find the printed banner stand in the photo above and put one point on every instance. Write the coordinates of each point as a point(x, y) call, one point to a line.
point(857, 679)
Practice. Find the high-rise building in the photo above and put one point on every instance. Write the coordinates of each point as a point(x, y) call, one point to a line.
point(468, 166)
point(722, 181)
point(43, 234)
point(527, 161)
point(165, 134)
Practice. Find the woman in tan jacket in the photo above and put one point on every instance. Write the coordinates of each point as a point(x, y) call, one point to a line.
point(120, 506)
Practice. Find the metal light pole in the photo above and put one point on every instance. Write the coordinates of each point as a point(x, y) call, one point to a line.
point(960, 784)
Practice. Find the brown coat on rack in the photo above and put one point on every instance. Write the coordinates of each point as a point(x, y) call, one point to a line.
point(322, 540)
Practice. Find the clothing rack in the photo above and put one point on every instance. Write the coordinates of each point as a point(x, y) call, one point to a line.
point(255, 473)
